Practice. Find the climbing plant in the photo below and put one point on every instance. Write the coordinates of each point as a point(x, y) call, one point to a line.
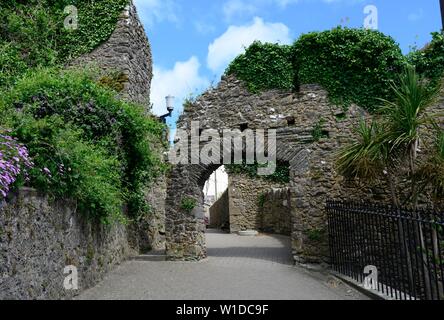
point(264, 66)
point(32, 33)
point(353, 65)
point(188, 204)
point(281, 174)
point(429, 61)
point(85, 143)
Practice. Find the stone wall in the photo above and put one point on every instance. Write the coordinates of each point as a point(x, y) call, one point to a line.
point(275, 211)
point(220, 213)
point(244, 201)
point(152, 228)
point(127, 51)
point(39, 237)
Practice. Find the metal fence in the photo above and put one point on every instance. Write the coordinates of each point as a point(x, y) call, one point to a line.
point(406, 247)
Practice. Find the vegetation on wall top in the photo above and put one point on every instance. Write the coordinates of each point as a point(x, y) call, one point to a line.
point(429, 61)
point(353, 65)
point(281, 174)
point(32, 33)
point(264, 66)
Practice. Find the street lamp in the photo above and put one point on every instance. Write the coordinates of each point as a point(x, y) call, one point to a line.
point(442, 12)
point(169, 106)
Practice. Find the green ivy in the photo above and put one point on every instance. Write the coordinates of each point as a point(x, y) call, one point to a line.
point(281, 174)
point(188, 204)
point(353, 65)
point(316, 235)
point(429, 61)
point(264, 66)
point(318, 132)
point(101, 151)
point(32, 34)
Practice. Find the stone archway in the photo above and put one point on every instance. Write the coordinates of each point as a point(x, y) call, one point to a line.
point(308, 130)
point(185, 231)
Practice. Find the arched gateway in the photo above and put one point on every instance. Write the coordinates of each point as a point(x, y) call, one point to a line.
point(308, 131)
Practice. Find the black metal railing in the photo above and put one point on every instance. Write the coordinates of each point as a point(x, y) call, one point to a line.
point(406, 247)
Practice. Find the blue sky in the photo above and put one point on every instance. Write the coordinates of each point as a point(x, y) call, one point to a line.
point(193, 41)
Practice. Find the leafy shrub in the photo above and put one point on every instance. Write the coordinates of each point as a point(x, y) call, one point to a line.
point(316, 235)
point(264, 66)
point(429, 61)
point(67, 166)
point(261, 201)
point(353, 65)
point(317, 133)
point(188, 204)
point(68, 115)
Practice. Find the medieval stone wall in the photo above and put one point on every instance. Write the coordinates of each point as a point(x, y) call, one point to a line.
point(220, 213)
point(40, 237)
point(244, 195)
point(152, 227)
point(275, 211)
point(127, 51)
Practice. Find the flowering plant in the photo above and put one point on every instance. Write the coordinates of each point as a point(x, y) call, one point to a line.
point(14, 161)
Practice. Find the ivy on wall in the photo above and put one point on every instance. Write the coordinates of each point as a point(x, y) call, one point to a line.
point(353, 65)
point(281, 174)
point(429, 61)
point(32, 33)
point(264, 66)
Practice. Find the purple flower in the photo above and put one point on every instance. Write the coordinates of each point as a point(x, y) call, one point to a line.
point(14, 161)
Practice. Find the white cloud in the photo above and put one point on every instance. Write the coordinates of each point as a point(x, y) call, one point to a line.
point(236, 38)
point(154, 11)
point(180, 82)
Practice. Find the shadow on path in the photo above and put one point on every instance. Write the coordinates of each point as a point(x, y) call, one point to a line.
point(273, 248)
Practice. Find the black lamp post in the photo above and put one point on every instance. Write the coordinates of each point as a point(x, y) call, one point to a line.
point(442, 12)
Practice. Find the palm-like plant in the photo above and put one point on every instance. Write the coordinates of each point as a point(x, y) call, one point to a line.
point(383, 148)
point(362, 159)
point(407, 113)
point(388, 143)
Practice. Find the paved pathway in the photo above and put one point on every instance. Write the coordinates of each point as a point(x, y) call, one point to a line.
point(244, 268)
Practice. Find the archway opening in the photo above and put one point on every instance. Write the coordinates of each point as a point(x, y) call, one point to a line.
point(247, 215)
point(215, 202)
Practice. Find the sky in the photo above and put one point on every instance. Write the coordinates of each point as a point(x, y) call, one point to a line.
point(193, 41)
